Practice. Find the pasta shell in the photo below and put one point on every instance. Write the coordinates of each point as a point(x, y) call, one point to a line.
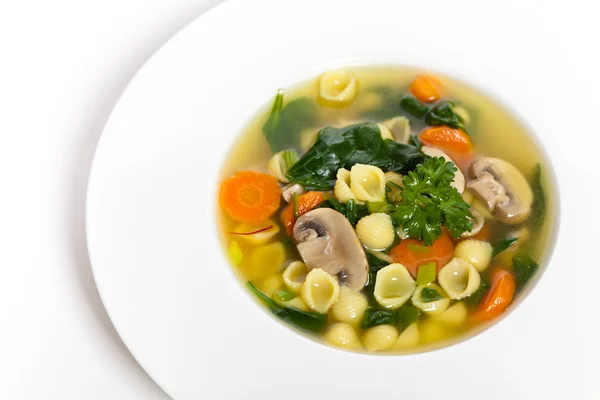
point(308, 137)
point(265, 261)
point(459, 178)
point(271, 284)
point(380, 338)
point(320, 290)
point(350, 306)
point(343, 336)
point(278, 167)
point(259, 238)
point(454, 316)
point(435, 307)
point(296, 302)
point(382, 256)
point(433, 332)
point(337, 86)
point(342, 190)
point(477, 252)
point(294, 275)
point(385, 132)
point(408, 338)
point(459, 278)
point(367, 182)
point(396, 179)
point(393, 286)
point(376, 231)
point(400, 128)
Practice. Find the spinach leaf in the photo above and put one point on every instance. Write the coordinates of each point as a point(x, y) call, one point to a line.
point(429, 294)
point(285, 123)
point(502, 245)
point(308, 321)
point(473, 300)
point(415, 141)
point(333, 203)
point(443, 114)
point(375, 264)
point(374, 317)
point(413, 106)
point(406, 315)
point(524, 267)
point(539, 199)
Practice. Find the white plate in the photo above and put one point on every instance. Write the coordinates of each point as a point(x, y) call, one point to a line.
point(151, 224)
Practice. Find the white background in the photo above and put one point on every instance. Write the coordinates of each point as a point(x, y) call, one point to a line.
point(63, 65)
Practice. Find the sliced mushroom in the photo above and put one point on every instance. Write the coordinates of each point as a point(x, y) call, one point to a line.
point(288, 191)
point(502, 187)
point(459, 178)
point(326, 240)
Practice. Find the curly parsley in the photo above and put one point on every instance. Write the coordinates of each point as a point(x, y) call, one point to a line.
point(429, 201)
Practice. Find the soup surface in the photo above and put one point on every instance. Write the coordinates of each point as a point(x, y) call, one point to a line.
point(385, 209)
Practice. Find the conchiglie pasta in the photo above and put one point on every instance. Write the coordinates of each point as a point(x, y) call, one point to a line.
point(435, 307)
point(393, 286)
point(367, 182)
point(280, 163)
point(453, 316)
point(338, 86)
point(433, 332)
point(342, 190)
point(320, 290)
point(385, 132)
point(399, 127)
point(376, 231)
point(350, 306)
point(260, 237)
point(396, 180)
point(271, 284)
point(477, 252)
point(408, 338)
point(265, 261)
point(459, 278)
point(294, 275)
point(296, 302)
point(342, 335)
point(380, 338)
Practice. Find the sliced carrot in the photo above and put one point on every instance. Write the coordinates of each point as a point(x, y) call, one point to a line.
point(483, 234)
point(305, 203)
point(450, 140)
point(498, 297)
point(412, 253)
point(250, 196)
point(425, 88)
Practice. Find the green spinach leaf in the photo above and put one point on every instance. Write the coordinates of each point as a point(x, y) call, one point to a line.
point(374, 317)
point(375, 264)
point(406, 315)
point(413, 106)
point(473, 300)
point(429, 294)
point(524, 268)
point(539, 199)
point(415, 141)
point(502, 245)
point(443, 114)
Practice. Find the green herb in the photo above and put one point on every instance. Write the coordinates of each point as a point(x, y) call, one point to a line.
point(334, 204)
point(379, 207)
point(393, 185)
point(295, 205)
point(417, 248)
point(374, 317)
point(406, 315)
point(354, 211)
point(412, 106)
point(443, 114)
point(473, 300)
point(524, 267)
point(285, 123)
point(415, 141)
point(429, 294)
point(502, 245)
point(430, 201)
point(309, 321)
point(539, 199)
point(345, 147)
point(289, 158)
point(285, 295)
point(426, 273)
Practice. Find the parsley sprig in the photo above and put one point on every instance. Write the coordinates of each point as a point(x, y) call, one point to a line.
point(429, 201)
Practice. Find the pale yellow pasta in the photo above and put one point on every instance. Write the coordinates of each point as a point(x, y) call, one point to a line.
point(337, 86)
point(399, 127)
point(296, 302)
point(376, 231)
point(342, 190)
point(320, 290)
point(459, 278)
point(385, 132)
point(393, 286)
point(380, 338)
point(308, 137)
point(408, 338)
point(456, 315)
point(342, 335)
point(257, 238)
point(382, 256)
point(459, 178)
point(434, 332)
point(294, 275)
point(271, 284)
point(367, 182)
point(277, 167)
point(396, 180)
point(265, 261)
point(435, 307)
point(477, 252)
point(350, 306)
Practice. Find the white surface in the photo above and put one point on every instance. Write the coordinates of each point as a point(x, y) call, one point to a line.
point(159, 266)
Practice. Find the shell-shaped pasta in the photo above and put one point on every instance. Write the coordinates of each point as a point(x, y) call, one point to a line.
point(393, 286)
point(459, 278)
point(380, 338)
point(279, 164)
point(320, 290)
point(478, 222)
point(382, 256)
point(396, 179)
point(265, 261)
point(294, 275)
point(342, 335)
point(433, 332)
point(259, 238)
point(271, 284)
point(385, 132)
point(408, 338)
point(435, 307)
point(296, 302)
point(337, 86)
point(308, 137)
point(350, 306)
point(376, 231)
point(400, 128)
point(367, 182)
point(477, 252)
point(459, 178)
point(477, 205)
point(342, 190)
point(456, 315)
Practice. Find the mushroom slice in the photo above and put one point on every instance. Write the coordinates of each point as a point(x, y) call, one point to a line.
point(459, 178)
point(502, 187)
point(326, 240)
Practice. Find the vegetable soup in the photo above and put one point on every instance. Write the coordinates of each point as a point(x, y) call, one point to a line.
point(385, 209)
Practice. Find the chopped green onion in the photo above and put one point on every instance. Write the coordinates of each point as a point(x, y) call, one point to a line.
point(295, 208)
point(285, 295)
point(417, 248)
point(428, 295)
point(426, 273)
